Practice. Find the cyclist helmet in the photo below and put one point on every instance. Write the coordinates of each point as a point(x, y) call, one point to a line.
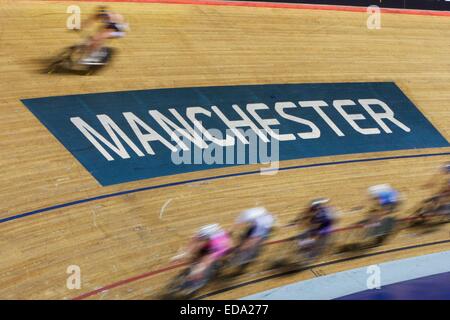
point(375, 191)
point(316, 204)
point(208, 231)
point(252, 214)
point(446, 168)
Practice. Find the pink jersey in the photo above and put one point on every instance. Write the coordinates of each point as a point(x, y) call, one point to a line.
point(220, 244)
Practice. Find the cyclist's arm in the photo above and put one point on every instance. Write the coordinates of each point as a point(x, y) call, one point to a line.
point(301, 218)
point(187, 252)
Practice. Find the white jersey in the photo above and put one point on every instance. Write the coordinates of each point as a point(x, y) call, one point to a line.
point(260, 226)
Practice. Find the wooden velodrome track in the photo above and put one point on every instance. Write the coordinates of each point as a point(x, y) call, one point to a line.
point(119, 241)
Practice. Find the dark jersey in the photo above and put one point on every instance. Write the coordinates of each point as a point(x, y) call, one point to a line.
point(323, 218)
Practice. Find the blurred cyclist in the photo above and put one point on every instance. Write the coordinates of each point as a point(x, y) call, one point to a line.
point(258, 223)
point(112, 26)
point(320, 219)
point(443, 182)
point(210, 244)
point(384, 200)
point(446, 188)
point(441, 199)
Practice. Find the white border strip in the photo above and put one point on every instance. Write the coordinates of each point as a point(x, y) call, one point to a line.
point(348, 282)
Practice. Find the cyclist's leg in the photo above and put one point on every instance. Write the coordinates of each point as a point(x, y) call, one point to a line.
point(256, 236)
point(251, 243)
point(307, 239)
point(321, 241)
point(97, 42)
point(245, 241)
point(199, 269)
point(430, 207)
point(443, 199)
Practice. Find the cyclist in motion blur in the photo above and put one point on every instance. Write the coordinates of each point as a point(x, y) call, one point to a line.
point(439, 203)
point(112, 25)
point(210, 244)
point(257, 224)
point(385, 200)
point(380, 223)
point(443, 184)
point(320, 219)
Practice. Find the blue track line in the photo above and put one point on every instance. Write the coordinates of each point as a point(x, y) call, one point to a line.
point(172, 184)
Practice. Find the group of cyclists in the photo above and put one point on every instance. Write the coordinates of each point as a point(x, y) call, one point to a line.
point(211, 244)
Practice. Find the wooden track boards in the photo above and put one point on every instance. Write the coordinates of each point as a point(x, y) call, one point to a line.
point(184, 46)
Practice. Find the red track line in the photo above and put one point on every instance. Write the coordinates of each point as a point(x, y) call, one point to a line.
point(128, 280)
point(303, 6)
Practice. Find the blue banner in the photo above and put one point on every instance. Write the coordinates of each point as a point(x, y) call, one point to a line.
point(127, 136)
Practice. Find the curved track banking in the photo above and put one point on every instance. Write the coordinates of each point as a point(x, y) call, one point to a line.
point(54, 214)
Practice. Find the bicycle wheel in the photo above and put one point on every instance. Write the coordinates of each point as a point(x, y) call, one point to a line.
point(175, 286)
point(243, 258)
point(59, 60)
point(384, 230)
